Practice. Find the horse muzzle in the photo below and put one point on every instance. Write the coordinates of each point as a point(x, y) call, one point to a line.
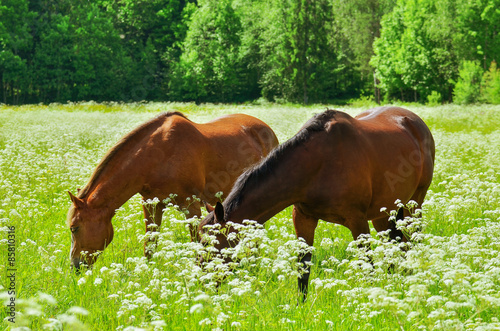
point(76, 264)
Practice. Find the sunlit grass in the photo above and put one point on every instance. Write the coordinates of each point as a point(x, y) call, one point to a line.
point(450, 280)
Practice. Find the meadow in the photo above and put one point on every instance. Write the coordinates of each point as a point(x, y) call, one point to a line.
point(448, 280)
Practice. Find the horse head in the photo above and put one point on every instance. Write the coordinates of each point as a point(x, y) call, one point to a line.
point(91, 231)
point(215, 224)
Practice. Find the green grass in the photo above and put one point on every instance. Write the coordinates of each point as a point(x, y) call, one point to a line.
point(449, 280)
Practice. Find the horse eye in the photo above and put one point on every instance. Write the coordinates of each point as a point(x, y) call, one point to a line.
point(74, 229)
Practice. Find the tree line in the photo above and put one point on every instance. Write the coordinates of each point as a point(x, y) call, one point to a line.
point(241, 50)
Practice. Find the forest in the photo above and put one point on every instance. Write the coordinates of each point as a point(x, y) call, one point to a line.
point(234, 51)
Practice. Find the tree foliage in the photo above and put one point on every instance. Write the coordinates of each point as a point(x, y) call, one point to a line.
point(423, 42)
point(295, 51)
point(241, 50)
point(490, 85)
point(467, 88)
point(413, 54)
point(209, 67)
point(15, 46)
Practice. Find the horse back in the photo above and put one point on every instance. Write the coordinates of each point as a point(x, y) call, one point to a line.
point(227, 134)
point(389, 125)
point(240, 131)
point(207, 158)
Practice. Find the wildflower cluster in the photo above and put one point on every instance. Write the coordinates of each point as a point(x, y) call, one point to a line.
point(447, 277)
point(34, 310)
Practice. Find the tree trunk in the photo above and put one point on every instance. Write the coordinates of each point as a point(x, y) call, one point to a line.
point(376, 90)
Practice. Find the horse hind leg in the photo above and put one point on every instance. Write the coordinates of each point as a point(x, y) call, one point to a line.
point(384, 224)
point(194, 210)
point(153, 216)
point(418, 197)
point(395, 233)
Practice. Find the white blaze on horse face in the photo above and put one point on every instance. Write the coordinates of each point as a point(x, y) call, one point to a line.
point(71, 212)
point(72, 246)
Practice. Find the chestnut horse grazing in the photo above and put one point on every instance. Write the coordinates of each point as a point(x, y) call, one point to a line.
point(339, 169)
point(167, 155)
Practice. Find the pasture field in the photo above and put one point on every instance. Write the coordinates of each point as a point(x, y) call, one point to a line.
point(448, 280)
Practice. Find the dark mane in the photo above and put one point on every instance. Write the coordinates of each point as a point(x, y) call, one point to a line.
point(142, 129)
point(255, 174)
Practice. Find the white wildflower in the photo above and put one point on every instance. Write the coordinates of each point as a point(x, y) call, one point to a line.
point(78, 311)
point(196, 308)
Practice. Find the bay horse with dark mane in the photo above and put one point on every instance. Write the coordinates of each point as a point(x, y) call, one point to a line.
point(339, 169)
point(167, 155)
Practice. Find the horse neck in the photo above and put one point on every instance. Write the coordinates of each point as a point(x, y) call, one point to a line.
point(120, 178)
point(111, 193)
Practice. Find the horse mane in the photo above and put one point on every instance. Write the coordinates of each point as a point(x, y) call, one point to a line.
point(255, 174)
point(142, 129)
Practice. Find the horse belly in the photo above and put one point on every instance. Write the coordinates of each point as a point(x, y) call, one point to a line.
point(338, 190)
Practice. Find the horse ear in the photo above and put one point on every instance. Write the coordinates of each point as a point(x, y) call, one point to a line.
point(219, 212)
point(79, 203)
point(208, 206)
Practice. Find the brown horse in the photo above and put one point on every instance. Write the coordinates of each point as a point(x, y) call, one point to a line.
point(339, 169)
point(167, 155)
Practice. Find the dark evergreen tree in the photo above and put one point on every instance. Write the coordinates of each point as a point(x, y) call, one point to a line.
point(15, 48)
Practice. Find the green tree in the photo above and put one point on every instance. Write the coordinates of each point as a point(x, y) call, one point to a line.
point(105, 50)
point(423, 41)
point(252, 14)
point(490, 85)
point(152, 32)
point(297, 57)
point(478, 36)
point(98, 57)
point(15, 46)
point(307, 41)
point(467, 89)
point(357, 24)
point(209, 67)
point(52, 64)
point(414, 56)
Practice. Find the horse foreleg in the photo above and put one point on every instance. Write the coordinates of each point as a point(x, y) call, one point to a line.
point(304, 228)
point(153, 215)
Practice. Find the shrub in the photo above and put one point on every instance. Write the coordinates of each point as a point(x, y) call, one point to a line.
point(364, 101)
point(490, 85)
point(434, 99)
point(467, 89)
